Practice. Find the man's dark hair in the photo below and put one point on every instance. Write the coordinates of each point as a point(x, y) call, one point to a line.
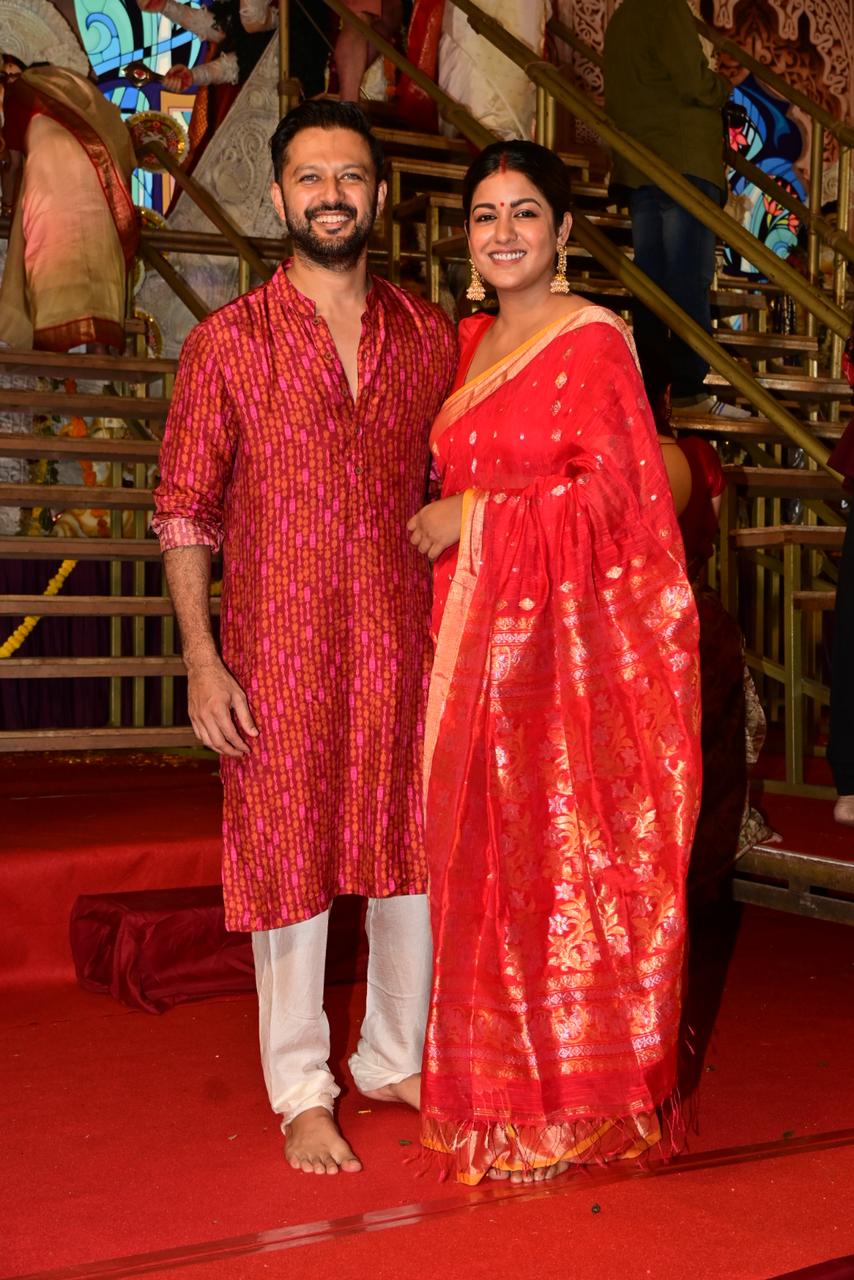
point(322, 113)
point(540, 166)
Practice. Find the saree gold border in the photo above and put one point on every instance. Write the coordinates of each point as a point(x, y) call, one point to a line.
point(453, 622)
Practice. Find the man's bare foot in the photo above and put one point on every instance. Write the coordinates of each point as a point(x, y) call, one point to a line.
point(408, 1091)
point(313, 1144)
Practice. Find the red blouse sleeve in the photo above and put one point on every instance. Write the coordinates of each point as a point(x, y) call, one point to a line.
point(471, 331)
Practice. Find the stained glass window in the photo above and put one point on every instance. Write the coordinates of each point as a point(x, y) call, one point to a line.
point(773, 142)
point(117, 32)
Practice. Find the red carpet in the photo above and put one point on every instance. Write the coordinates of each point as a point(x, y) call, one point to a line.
point(140, 1145)
point(74, 825)
point(129, 1134)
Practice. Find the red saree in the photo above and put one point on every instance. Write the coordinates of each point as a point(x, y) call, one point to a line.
point(562, 763)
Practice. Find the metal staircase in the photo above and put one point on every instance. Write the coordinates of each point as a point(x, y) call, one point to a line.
point(778, 578)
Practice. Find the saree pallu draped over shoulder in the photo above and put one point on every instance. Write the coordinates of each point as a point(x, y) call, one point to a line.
point(562, 768)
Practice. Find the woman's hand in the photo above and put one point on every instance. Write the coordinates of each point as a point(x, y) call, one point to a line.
point(437, 526)
point(178, 79)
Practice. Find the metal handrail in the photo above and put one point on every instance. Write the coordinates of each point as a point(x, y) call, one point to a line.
point(211, 209)
point(547, 77)
point(832, 236)
point(598, 244)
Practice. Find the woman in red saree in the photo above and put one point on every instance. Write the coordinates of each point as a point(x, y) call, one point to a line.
point(562, 764)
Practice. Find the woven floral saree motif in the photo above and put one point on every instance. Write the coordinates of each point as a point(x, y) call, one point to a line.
point(562, 762)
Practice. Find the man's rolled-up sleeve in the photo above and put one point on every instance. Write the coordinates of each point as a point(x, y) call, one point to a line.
point(197, 456)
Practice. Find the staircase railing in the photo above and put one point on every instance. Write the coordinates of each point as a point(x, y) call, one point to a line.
point(819, 230)
point(601, 248)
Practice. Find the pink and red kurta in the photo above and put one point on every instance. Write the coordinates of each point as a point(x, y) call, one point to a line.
point(325, 604)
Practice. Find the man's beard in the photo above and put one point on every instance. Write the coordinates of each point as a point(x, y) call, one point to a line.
point(338, 253)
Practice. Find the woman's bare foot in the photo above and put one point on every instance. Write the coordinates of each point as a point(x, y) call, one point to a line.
point(408, 1091)
point(313, 1144)
point(545, 1173)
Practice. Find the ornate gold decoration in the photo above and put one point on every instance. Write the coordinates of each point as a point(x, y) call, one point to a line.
point(157, 126)
point(153, 334)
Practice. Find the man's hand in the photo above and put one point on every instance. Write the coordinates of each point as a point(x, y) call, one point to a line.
point(437, 526)
point(213, 695)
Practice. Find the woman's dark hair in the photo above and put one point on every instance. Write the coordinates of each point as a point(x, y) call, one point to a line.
point(540, 166)
point(322, 113)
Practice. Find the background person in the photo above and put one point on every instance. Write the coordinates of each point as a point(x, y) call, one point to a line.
point(660, 90)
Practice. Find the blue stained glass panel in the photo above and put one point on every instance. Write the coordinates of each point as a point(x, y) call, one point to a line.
point(117, 32)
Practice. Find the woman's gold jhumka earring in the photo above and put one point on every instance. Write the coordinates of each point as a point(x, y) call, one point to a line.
point(559, 283)
point(475, 292)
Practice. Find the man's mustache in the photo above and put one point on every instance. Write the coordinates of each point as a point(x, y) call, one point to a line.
point(338, 207)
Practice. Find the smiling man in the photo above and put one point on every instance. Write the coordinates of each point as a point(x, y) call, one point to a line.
point(297, 440)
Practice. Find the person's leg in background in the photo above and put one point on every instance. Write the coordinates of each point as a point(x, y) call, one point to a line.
point(689, 255)
point(647, 207)
point(353, 53)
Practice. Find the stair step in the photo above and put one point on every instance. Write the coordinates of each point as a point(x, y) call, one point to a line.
point(788, 386)
point(19, 444)
point(68, 404)
point(783, 482)
point(757, 429)
point(62, 496)
point(87, 668)
point(50, 548)
point(814, 601)
point(96, 739)
point(92, 606)
point(822, 536)
point(399, 142)
point(49, 364)
point(760, 345)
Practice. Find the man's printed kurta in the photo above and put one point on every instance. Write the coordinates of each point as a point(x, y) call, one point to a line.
point(325, 604)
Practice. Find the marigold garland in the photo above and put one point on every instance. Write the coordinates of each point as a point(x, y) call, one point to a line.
point(53, 588)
